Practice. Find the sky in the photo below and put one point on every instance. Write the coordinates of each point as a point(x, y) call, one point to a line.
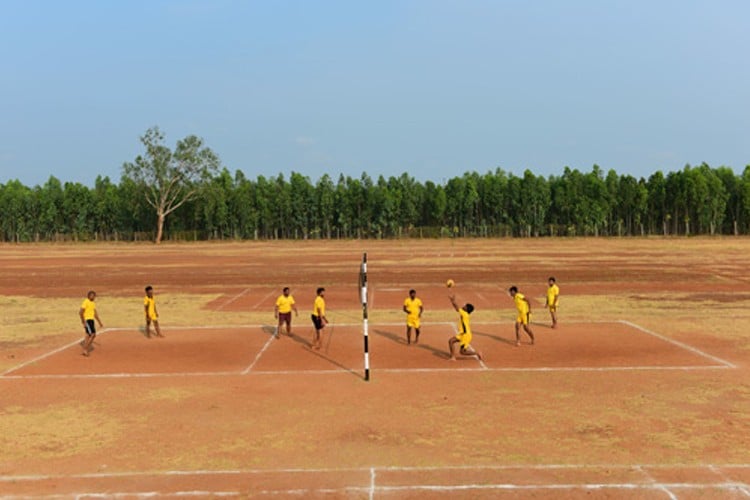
point(433, 88)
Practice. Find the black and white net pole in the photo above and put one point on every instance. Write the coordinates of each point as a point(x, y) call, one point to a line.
point(363, 290)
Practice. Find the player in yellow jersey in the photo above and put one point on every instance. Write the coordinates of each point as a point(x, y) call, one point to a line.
point(149, 308)
point(413, 309)
point(553, 299)
point(524, 312)
point(88, 314)
point(318, 316)
point(463, 337)
point(282, 311)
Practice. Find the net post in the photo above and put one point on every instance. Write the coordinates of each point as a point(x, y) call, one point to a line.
point(363, 297)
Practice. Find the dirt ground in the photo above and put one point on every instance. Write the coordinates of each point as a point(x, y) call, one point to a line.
point(643, 390)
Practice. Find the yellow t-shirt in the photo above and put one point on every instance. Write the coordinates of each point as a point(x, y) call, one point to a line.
point(553, 293)
point(150, 302)
point(89, 309)
point(464, 328)
point(285, 303)
point(319, 305)
point(413, 306)
point(521, 304)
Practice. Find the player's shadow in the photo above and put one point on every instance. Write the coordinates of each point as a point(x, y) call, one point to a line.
point(495, 337)
point(270, 330)
point(307, 344)
point(399, 339)
point(543, 325)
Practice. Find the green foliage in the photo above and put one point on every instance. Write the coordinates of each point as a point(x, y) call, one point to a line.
point(694, 200)
point(169, 178)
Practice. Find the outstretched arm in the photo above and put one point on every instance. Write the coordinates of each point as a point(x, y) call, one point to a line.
point(453, 301)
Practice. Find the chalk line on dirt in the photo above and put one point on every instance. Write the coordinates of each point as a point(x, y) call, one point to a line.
point(679, 344)
point(270, 340)
point(48, 354)
point(243, 292)
point(372, 487)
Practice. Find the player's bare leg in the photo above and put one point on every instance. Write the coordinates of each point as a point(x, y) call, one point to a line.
point(451, 351)
point(518, 334)
point(416, 335)
point(148, 328)
point(408, 335)
point(316, 340)
point(529, 332)
point(157, 329)
point(87, 344)
point(554, 318)
point(470, 351)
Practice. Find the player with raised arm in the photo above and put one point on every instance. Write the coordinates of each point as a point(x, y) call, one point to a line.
point(463, 337)
point(413, 309)
point(523, 306)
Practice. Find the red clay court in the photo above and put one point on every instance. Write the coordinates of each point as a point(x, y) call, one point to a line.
point(636, 395)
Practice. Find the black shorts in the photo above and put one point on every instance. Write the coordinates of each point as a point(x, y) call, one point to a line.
point(90, 327)
point(317, 321)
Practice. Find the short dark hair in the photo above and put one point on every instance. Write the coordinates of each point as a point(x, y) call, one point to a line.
point(90, 293)
point(286, 289)
point(321, 289)
point(551, 278)
point(412, 291)
point(469, 308)
point(149, 288)
point(514, 288)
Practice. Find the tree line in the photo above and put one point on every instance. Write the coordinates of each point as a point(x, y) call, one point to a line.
point(206, 202)
point(695, 200)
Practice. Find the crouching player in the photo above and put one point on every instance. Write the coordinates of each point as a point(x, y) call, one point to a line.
point(463, 337)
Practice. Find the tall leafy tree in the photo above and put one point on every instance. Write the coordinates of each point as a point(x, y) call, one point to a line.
point(325, 205)
point(658, 211)
point(171, 178)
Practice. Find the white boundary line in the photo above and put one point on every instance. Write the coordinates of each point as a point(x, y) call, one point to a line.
point(679, 344)
point(371, 495)
point(722, 364)
point(304, 492)
point(338, 371)
point(48, 354)
point(371, 469)
point(372, 488)
point(665, 489)
point(243, 292)
point(255, 307)
point(270, 340)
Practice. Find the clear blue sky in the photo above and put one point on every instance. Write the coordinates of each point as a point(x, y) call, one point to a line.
point(429, 87)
